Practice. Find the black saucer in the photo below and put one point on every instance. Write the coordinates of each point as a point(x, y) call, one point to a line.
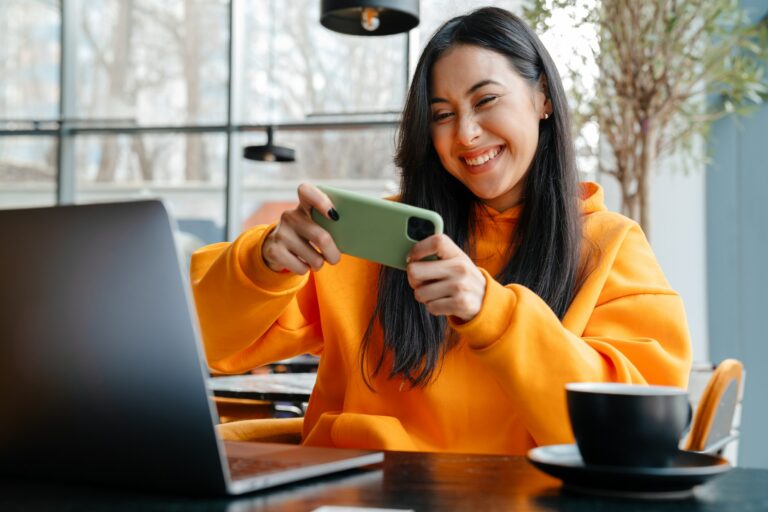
point(687, 470)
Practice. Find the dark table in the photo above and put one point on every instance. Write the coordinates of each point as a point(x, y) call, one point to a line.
point(299, 364)
point(277, 387)
point(414, 481)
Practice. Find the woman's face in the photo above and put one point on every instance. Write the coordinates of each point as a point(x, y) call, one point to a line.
point(485, 122)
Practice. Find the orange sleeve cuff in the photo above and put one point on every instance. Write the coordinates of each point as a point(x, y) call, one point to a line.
point(492, 321)
point(248, 249)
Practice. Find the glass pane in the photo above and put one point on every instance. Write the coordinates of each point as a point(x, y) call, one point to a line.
point(354, 158)
point(187, 170)
point(343, 153)
point(27, 171)
point(29, 59)
point(153, 62)
point(434, 13)
point(295, 68)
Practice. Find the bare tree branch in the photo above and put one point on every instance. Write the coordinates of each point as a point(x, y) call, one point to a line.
point(658, 59)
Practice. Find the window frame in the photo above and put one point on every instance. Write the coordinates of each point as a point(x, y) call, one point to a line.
point(67, 127)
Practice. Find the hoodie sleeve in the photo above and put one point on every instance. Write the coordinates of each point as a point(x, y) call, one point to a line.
point(625, 324)
point(249, 315)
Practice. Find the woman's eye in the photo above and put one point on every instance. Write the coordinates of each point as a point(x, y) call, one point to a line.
point(441, 116)
point(487, 100)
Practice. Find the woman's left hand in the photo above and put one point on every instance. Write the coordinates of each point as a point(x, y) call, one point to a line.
point(450, 285)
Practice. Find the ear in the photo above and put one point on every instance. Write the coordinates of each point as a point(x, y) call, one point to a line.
point(545, 109)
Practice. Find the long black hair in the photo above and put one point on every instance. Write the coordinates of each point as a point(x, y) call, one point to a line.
point(548, 235)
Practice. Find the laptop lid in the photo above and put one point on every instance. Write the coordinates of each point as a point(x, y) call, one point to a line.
point(101, 379)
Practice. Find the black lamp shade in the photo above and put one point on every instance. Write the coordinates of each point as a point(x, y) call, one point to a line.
point(344, 16)
point(269, 152)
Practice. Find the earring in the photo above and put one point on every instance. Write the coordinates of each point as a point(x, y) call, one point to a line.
point(546, 116)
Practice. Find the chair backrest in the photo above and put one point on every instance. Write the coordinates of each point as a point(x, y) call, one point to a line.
point(713, 421)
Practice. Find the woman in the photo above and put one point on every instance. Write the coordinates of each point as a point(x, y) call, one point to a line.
point(535, 284)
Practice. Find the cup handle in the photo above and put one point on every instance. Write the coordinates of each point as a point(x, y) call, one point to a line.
point(690, 418)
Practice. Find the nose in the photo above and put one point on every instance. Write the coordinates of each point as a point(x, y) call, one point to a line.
point(467, 130)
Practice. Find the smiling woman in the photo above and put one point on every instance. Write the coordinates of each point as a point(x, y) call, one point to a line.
point(535, 283)
point(475, 94)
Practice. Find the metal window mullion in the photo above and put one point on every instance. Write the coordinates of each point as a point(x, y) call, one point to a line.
point(233, 195)
point(65, 175)
point(148, 129)
point(411, 55)
point(74, 130)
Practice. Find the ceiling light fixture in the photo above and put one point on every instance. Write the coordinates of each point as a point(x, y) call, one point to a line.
point(369, 17)
point(269, 152)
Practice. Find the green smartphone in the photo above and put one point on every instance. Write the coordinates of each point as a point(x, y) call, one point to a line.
point(376, 229)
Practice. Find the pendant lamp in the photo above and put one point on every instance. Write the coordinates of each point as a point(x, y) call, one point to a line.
point(369, 17)
point(269, 152)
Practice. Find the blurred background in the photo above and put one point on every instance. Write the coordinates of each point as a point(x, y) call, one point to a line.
point(106, 100)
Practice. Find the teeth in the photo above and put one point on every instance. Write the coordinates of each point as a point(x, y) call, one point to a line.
point(479, 160)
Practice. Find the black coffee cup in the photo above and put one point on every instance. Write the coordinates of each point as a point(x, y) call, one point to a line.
point(627, 424)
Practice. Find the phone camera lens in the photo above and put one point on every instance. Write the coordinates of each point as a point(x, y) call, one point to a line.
point(419, 229)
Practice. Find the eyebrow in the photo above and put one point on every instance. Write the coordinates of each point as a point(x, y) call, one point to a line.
point(478, 85)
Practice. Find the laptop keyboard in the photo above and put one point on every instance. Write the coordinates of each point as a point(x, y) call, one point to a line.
point(240, 467)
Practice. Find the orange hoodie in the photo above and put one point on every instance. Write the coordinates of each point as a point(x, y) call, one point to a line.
point(500, 389)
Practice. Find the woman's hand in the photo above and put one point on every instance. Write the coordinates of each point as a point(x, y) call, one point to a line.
point(298, 243)
point(450, 285)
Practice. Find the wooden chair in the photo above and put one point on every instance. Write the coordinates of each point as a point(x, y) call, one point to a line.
point(243, 419)
point(712, 429)
point(237, 409)
point(716, 417)
point(268, 430)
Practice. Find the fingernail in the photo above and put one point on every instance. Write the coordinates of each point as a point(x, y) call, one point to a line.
point(333, 214)
point(407, 259)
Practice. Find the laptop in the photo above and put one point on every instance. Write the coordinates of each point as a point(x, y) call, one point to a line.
point(102, 374)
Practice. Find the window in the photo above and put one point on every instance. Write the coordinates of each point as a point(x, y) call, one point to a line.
point(186, 170)
point(27, 171)
point(297, 70)
point(434, 13)
point(29, 60)
point(358, 159)
point(148, 103)
point(149, 62)
point(29, 95)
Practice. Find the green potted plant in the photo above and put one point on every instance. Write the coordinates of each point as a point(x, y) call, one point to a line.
point(666, 69)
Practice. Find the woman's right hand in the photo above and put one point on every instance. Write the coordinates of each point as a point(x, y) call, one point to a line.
point(298, 243)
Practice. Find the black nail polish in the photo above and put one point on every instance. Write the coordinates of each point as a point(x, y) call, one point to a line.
point(333, 214)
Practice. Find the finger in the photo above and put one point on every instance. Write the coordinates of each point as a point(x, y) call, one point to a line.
point(440, 307)
point(432, 291)
point(436, 245)
point(307, 230)
point(296, 245)
point(321, 240)
point(295, 265)
point(286, 260)
point(424, 271)
point(412, 280)
point(445, 307)
point(312, 197)
point(460, 306)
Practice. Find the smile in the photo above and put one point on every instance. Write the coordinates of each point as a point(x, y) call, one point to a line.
point(483, 158)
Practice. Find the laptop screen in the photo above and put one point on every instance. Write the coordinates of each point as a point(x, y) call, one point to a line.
point(102, 377)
